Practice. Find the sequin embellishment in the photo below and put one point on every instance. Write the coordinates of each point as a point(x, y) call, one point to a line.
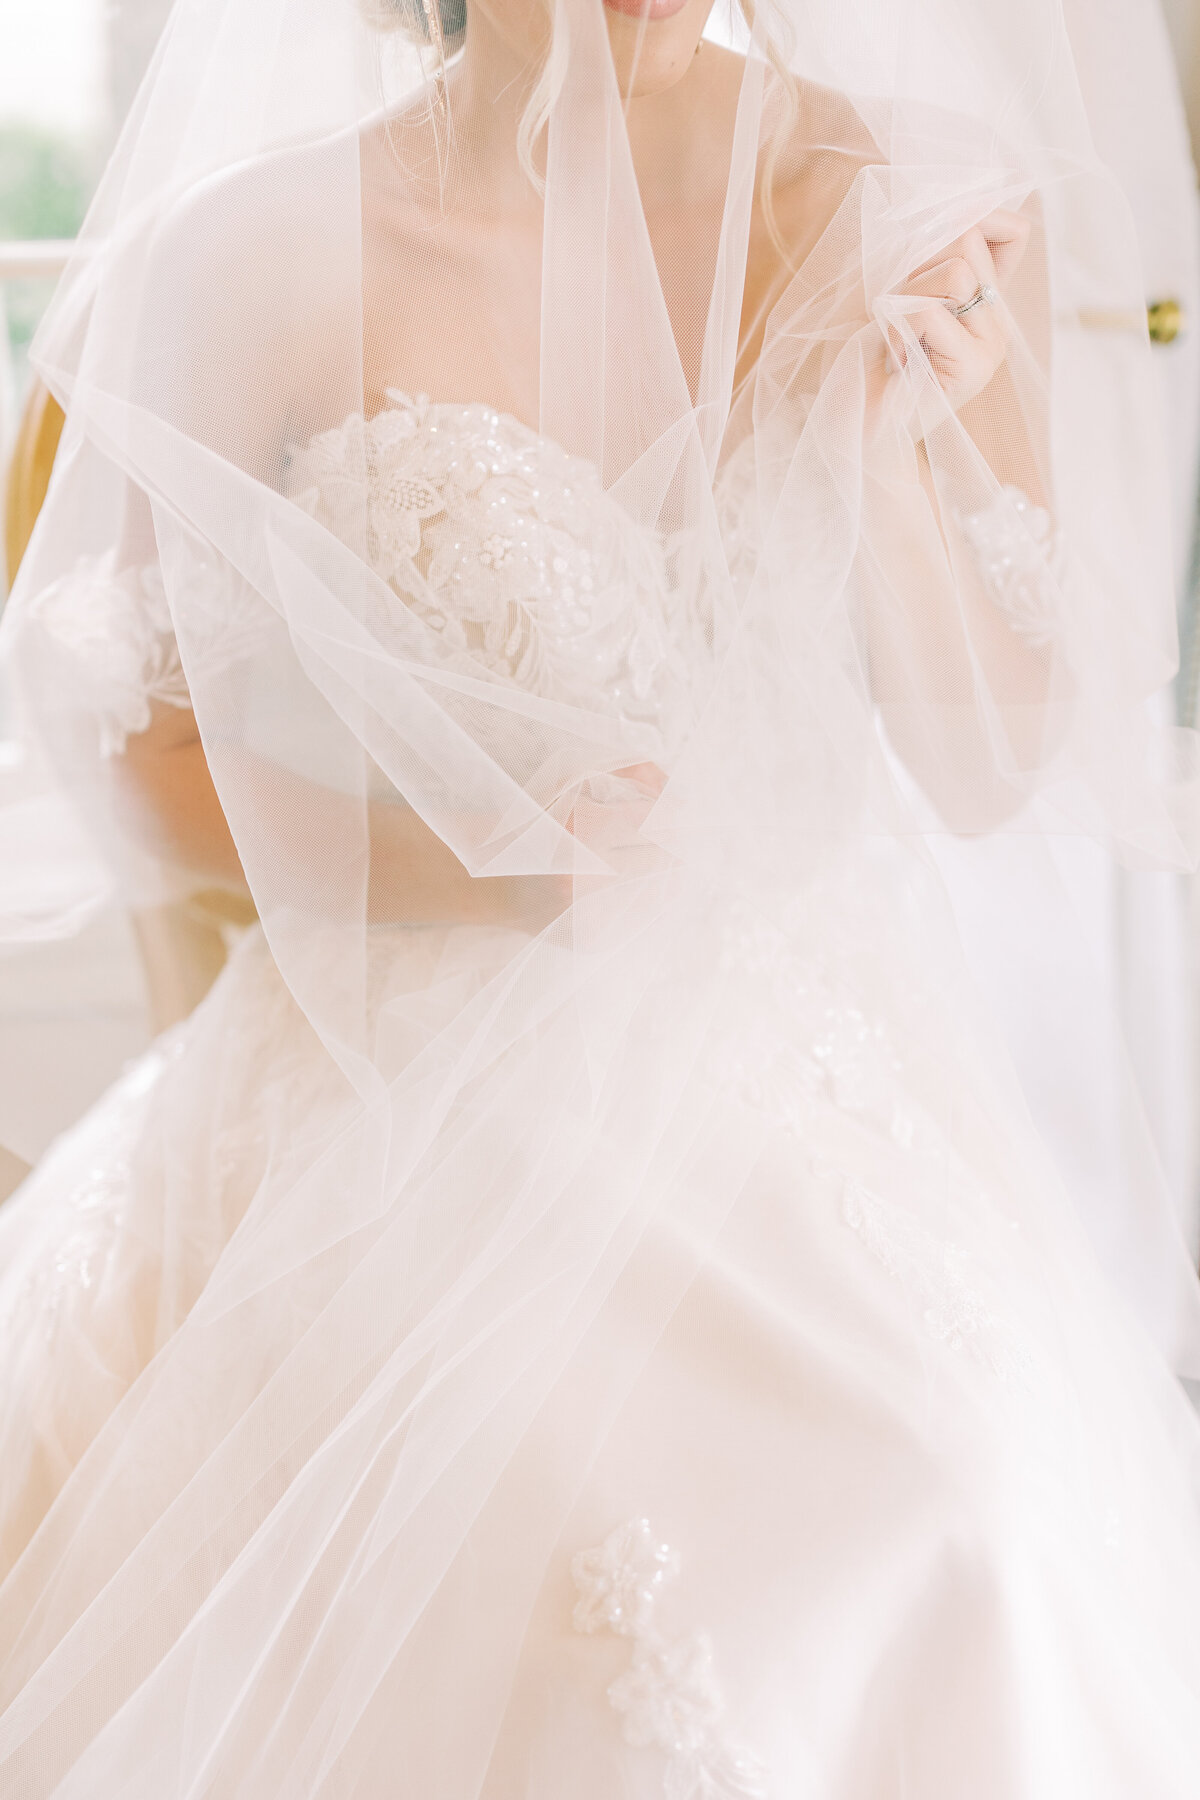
point(668, 1698)
point(1021, 563)
point(509, 550)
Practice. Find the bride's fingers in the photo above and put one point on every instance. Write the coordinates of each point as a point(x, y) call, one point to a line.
point(1007, 237)
point(953, 282)
point(975, 250)
point(647, 775)
point(994, 248)
point(960, 343)
point(943, 339)
point(963, 282)
point(966, 347)
point(963, 354)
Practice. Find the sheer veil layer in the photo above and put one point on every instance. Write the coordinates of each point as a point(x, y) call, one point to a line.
point(590, 610)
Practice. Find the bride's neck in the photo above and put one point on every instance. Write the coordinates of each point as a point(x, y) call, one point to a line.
point(487, 89)
point(670, 133)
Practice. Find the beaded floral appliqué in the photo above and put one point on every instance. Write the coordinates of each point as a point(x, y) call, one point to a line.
point(1021, 563)
point(668, 1699)
point(806, 1041)
point(508, 548)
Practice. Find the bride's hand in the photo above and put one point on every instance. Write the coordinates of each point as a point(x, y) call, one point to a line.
point(417, 879)
point(609, 809)
point(966, 348)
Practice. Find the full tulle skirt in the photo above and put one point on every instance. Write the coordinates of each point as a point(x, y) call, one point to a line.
point(853, 1478)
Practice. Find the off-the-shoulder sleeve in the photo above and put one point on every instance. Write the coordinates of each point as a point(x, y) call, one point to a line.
point(114, 627)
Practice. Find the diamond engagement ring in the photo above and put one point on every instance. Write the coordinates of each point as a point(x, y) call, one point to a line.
point(983, 296)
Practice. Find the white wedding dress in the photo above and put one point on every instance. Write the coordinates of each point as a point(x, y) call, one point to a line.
point(864, 1486)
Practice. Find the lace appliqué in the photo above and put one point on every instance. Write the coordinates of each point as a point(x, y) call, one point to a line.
point(1021, 563)
point(90, 1216)
point(507, 548)
point(116, 628)
point(939, 1277)
point(805, 1040)
point(668, 1699)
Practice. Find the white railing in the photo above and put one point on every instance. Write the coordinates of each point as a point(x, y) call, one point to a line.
point(34, 259)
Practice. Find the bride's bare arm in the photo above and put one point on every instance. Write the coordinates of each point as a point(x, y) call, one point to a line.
point(932, 638)
point(171, 803)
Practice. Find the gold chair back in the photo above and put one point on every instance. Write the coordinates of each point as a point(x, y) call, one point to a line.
point(29, 472)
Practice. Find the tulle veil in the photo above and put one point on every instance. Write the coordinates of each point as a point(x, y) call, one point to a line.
point(399, 1324)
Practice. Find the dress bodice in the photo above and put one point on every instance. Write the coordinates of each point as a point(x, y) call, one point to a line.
point(518, 563)
point(509, 550)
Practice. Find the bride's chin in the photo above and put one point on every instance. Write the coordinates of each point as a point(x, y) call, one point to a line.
point(654, 42)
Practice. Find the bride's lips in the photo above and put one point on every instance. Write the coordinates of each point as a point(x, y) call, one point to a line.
point(650, 10)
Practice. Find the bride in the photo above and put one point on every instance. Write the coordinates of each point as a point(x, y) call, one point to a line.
point(556, 511)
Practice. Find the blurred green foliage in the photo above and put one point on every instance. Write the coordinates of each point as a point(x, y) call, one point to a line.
point(45, 185)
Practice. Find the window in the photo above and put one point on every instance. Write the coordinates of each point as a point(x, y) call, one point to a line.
point(68, 71)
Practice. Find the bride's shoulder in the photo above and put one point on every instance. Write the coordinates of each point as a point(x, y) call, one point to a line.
point(250, 276)
point(817, 143)
point(253, 209)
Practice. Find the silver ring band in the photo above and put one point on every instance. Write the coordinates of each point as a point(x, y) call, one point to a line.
point(983, 296)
